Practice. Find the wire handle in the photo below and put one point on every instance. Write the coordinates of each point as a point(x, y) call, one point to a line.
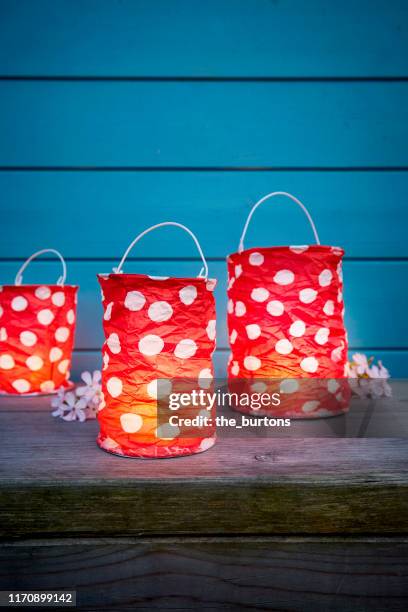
point(60, 281)
point(267, 197)
point(204, 269)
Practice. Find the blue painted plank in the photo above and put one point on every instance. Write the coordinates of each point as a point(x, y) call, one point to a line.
point(203, 124)
point(376, 297)
point(211, 38)
point(105, 210)
point(395, 361)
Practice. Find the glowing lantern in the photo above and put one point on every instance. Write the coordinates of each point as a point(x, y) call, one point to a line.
point(157, 329)
point(285, 320)
point(37, 327)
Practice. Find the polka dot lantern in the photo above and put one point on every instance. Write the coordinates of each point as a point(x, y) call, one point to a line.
point(157, 330)
point(285, 322)
point(37, 327)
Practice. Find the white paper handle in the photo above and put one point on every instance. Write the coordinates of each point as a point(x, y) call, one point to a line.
point(60, 281)
point(118, 270)
point(267, 197)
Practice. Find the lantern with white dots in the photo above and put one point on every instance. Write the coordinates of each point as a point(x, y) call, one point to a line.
point(157, 329)
point(285, 322)
point(37, 327)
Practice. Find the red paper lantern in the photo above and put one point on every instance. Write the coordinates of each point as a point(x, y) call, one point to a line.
point(37, 327)
point(285, 321)
point(156, 329)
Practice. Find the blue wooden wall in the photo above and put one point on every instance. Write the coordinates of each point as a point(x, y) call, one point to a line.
point(117, 114)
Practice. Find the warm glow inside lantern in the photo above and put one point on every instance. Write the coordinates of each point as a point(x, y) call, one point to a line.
point(37, 326)
point(157, 330)
point(285, 321)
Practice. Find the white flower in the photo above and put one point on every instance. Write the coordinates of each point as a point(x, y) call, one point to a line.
point(361, 363)
point(81, 404)
point(367, 379)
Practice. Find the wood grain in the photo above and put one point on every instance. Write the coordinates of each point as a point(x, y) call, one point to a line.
point(216, 573)
point(53, 479)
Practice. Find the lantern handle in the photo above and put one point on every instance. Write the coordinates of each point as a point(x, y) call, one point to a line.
point(60, 281)
point(204, 269)
point(267, 197)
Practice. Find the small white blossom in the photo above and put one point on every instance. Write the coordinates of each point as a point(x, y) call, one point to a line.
point(82, 403)
point(367, 379)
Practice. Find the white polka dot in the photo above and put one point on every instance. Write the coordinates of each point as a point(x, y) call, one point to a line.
point(185, 349)
point(332, 385)
point(210, 284)
point(62, 334)
point(301, 248)
point(159, 388)
point(151, 345)
point(3, 334)
point(45, 317)
point(259, 294)
point(283, 347)
point(63, 366)
point(231, 282)
point(336, 354)
point(113, 343)
point(47, 386)
point(309, 364)
point(114, 386)
point(322, 335)
point(21, 385)
point(233, 336)
point(253, 331)
point(289, 385)
point(275, 308)
point(28, 338)
point(252, 363)
point(19, 303)
point(284, 277)
point(160, 311)
point(108, 312)
point(34, 363)
point(1, 311)
point(58, 298)
point(337, 250)
point(310, 406)
point(256, 259)
point(55, 354)
point(240, 309)
point(297, 329)
point(131, 423)
point(339, 295)
point(307, 296)
point(259, 387)
point(230, 306)
point(166, 431)
point(71, 317)
point(102, 402)
point(325, 278)
point(211, 329)
point(6, 362)
point(105, 360)
point(207, 443)
point(42, 293)
point(328, 308)
point(188, 294)
point(235, 368)
point(102, 295)
point(339, 271)
point(159, 278)
point(205, 378)
point(134, 301)
point(238, 271)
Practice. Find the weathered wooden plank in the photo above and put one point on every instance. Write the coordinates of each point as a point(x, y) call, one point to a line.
point(53, 479)
point(216, 38)
point(203, 124)
point(216, 573)
point(375, 297)
point(104, 209)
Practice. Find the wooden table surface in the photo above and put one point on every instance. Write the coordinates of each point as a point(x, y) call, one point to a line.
point(262, 521)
